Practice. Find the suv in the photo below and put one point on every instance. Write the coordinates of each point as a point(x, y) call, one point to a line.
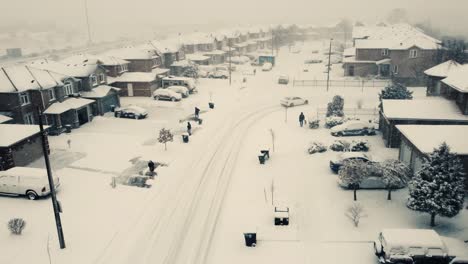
point(353, 128)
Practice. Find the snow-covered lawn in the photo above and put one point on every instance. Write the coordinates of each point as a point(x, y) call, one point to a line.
point(106, 225)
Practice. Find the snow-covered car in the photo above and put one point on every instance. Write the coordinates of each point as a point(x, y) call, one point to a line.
point(293, 101)
point(336, 164)
point(370, 182)
point(283, 79)
point(402, 246)
point(267, 66)
point(131, 111)
point(313, 61)
point(353, 128)
point(182, 90)
point(166, 94)
point(219, 75)
point(315, 51)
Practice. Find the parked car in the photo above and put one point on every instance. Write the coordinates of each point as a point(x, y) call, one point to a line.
point(182, 90)
point(166, 94)
point(407, 246)
point(293, 101)
point(131, 111)
point(283, 79)
point(336, 164)
point(218, 75)
point(353, 128)
point(31, 182)
point(371, 182)
point(267, 66)
point(312, 61)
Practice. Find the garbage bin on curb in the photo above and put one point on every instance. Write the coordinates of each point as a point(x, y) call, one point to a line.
point(200, 121)
point(185, 138)
point(261, 158)
point(211, 105)
point(250, 239)
point(112, 108)
point(68, 128)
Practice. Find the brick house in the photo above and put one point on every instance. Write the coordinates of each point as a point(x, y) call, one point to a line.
point(418, 141)
point(139, 83)
point(140, 59)
point(427, 111)
point(19, 145)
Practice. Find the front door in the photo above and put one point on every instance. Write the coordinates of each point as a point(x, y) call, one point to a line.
point(130, 89)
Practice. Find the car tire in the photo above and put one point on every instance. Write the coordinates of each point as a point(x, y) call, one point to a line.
point(32, 195)
point(173, 99)
point(117, 115)
point(291, 105)
point(137, 117)
point(339, 134)
point(156, 98)
point(306, 102)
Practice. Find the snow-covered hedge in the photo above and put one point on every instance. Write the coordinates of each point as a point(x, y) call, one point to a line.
point(314, 123)
point(355, 145)
point(359, 145)
point(332, 121)
point(316, 147)
point(340, 145)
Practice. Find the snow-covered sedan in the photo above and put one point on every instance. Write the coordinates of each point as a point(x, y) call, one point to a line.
point(131, 111)
point(353, 128)
point(267, 66)
point(336, 164)
point(166, 94)
point(182, 90)
point(220, 74)
point(283, 79)
point(293, 101)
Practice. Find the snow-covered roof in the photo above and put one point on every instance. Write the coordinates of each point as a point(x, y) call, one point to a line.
point(422, 109)
point(99, 92)
point(94, 59)
point(4, 118)
point(197, 38)
point(458, 79)
point(428, 137)
point(167, 45)
point(135, 77)
point(159, 71)
point(70, 103)
point(442, 70)
point(182, 63)
point(405, 238)
point(68, 69)
point(196, 57)
point(352, 59)
point(23, 78)
point(214, 52)
point(13, 133)
point(31, 172)
point(349, 52)
point(131, 53)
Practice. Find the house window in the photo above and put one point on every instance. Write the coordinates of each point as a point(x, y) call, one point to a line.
point(413, 53)
point(24, 98)
point(384, 52)
point(51, 94)
point(68, 88)
point(102, 78)
point(93, 79)
point(29, 119)
point(395, 69)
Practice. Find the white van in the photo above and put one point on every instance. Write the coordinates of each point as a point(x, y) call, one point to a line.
point(31, 182)
point(179, 81)
point(407, 246)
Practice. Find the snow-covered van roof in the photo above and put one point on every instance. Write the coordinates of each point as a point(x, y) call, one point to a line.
point(413, 238)
point(458, 79)
point(428, 137)
point(25, 171)
point(13, 133)
point(422, 109)
point(442, 70)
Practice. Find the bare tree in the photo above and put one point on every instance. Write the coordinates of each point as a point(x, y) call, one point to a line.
point(165, 136)
point(355, 213)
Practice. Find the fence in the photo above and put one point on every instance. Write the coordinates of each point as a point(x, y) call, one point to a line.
point(368, 113)
point(343, 83)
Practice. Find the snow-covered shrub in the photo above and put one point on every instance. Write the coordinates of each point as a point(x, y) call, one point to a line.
point(314, 123)
point(335, 107)
point(16, 225)
point(316, 147)
point(355, 212)
point(359, 145)
point(340, 145)
point(396, 91)
point(332, 121)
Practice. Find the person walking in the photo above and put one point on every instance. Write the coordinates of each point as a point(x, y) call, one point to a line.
point(189, 128)
point(197, 112)
point(255, 71)
point(301, 119)
point(151, 166)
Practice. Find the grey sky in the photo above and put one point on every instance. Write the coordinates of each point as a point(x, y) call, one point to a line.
point(112, 14)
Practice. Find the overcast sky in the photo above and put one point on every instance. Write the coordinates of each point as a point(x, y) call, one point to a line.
point(115, 14)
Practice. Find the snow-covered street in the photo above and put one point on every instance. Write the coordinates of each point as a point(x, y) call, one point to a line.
point(213, 189)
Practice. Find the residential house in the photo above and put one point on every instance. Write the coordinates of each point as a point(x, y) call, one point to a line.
point(142, 59)
point(216, 56)
point(419, 141)
point(427, 111)
point(19, 145)
point(436, 74)
point(199, 59)
point(455, 87)
point(198, 42)
point(171, 51)
point(178, 68)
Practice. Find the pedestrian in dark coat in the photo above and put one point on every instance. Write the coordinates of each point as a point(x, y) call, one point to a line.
point(189, 128)
point(301, 119)
point(151, 166)
point(197, 112)
point(255, 71)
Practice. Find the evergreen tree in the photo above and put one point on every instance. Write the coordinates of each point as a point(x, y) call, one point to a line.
point(335, 107)
point(395, 91)
point(438, 188)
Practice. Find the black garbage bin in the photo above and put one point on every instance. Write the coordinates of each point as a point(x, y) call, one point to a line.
point(211, 105)
point(185, 138)
point(250, 239)
point(112, 108)
point(200, 121)
point(261, 158)
point(68, 128)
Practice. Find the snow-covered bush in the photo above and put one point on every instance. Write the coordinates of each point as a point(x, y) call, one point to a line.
point(316, 147)
point(340, 145)
point(438, 187)
point(395, 91)
point(359, 145)
point(16, 225)
point(354, 145)
point(335, 107)
point(332, 121)
point(355, 212)
point(314, 123)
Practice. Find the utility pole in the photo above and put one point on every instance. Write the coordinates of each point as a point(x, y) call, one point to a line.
point(229, 43)
point(329, 65)
point(87, 22)
point(272, 43)
point(55, 203)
